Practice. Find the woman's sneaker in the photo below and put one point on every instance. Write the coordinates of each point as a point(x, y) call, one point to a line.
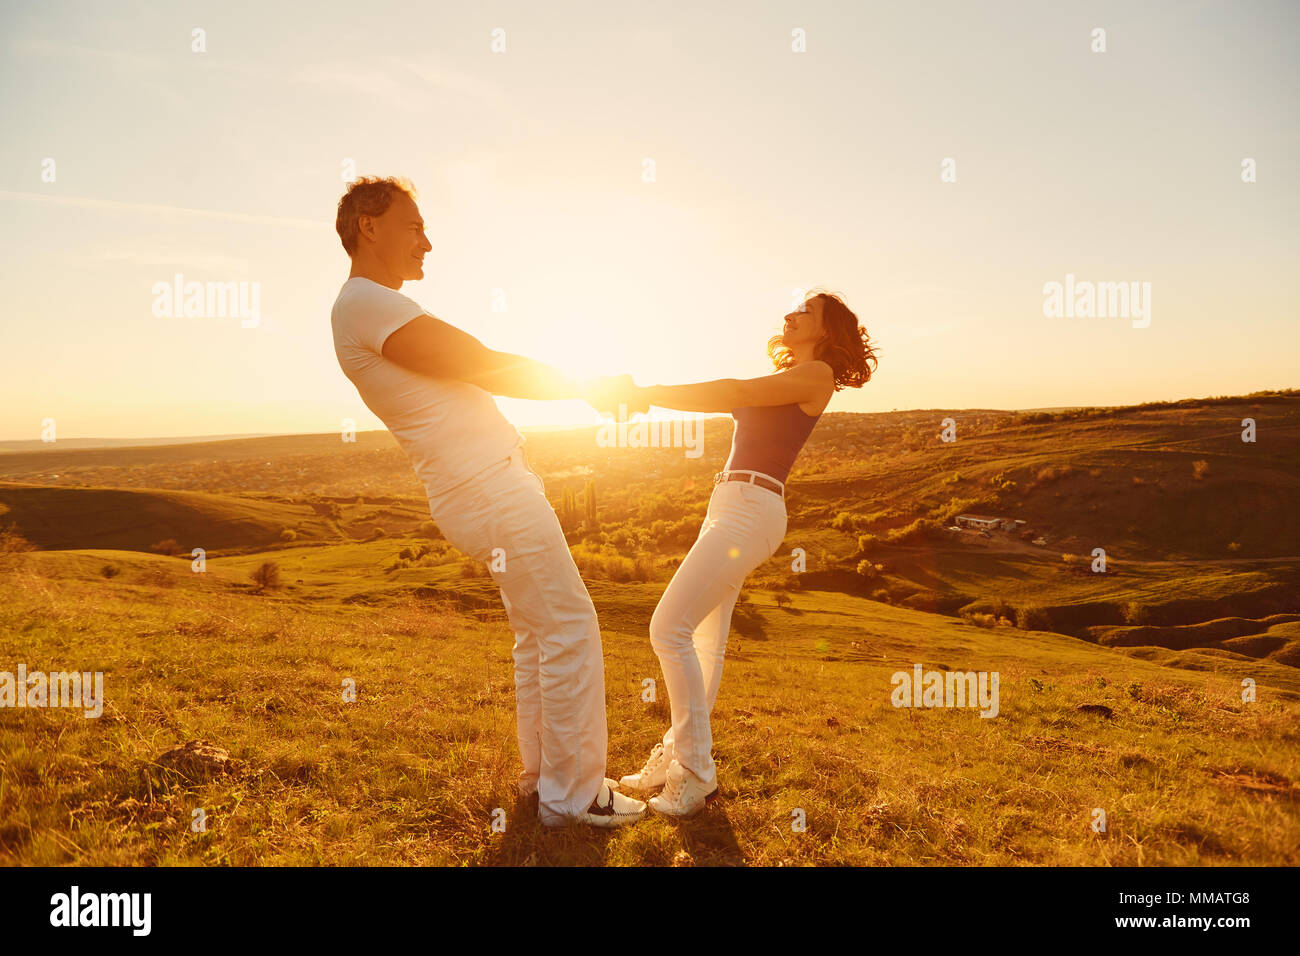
point(683, 794)
point(653, 774)
point(612, 809)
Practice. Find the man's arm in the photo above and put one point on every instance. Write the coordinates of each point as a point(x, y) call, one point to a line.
point(431, 347)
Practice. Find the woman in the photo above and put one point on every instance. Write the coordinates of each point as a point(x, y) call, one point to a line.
point(821, 350)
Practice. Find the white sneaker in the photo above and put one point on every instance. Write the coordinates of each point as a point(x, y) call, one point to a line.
point(653, 774)
point(612, 809)
point(683, 794)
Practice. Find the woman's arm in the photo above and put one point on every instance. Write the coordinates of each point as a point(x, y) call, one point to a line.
point(807, 382)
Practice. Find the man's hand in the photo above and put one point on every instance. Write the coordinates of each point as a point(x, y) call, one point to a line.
point(615, 394)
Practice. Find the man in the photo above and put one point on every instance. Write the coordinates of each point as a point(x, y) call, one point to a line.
point(432, 385)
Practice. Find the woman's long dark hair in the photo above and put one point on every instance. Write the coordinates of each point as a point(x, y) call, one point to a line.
point(846, 347)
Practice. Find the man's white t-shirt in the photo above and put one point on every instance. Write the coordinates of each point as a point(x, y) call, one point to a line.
point(451, 430)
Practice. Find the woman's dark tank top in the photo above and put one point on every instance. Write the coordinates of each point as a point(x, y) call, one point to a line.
point(768, 438)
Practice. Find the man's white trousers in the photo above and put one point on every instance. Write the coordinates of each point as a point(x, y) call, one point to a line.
point(502, 517)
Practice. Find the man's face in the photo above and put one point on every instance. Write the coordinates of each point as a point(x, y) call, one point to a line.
point(399, 239)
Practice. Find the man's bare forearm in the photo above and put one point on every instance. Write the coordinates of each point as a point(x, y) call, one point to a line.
point(517, 376)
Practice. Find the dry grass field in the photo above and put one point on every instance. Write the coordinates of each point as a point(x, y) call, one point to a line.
point(1119, 692)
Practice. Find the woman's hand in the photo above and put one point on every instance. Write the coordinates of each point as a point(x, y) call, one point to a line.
point(616, 395)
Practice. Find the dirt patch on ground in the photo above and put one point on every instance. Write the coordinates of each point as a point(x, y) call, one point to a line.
point(1256, 782)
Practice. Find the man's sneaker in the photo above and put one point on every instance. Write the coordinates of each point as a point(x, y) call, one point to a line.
point(612, 809)
point(653, 774)
point(683, 794)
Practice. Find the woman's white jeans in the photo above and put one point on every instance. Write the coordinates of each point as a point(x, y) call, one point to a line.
point(559, 670)
point(744, 526)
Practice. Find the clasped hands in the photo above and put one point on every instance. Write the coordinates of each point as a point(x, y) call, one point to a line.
point(613, 394)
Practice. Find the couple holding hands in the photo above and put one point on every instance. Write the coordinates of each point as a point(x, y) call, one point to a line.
point(432, 386)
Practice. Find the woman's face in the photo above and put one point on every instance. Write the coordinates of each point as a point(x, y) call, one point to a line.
point(803, 327)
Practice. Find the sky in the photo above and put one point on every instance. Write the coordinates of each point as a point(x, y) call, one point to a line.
point(645, 188)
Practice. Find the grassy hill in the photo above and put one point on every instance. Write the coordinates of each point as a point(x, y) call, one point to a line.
point(412, 772)
point(1148, 483)
point(58, 518)
point(1196, 524)
point(1121, 690)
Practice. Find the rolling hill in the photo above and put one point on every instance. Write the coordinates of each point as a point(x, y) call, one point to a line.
point(63, 518)
point(1196, 524)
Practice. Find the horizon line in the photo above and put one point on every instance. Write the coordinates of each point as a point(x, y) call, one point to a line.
point(244, 436)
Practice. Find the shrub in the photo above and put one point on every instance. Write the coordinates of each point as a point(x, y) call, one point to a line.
point(429, 530)
point(11, 542)
point(947, 514)
point(168, 547)
point(288, 534)
point(110, 570)
point(782, 599)
point(658, 506)
point(1003, 481)
point(1033, 618)
point(848, 521)
point(1136, 613)
point(881, 595)
point(608, 565)
point(869, 570)
point(1051, 473)
point(997, 610)
point(918, 529)
point(1200, 469)
point(266, 575)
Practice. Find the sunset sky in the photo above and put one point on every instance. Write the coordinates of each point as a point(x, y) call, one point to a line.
point(773, 171)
